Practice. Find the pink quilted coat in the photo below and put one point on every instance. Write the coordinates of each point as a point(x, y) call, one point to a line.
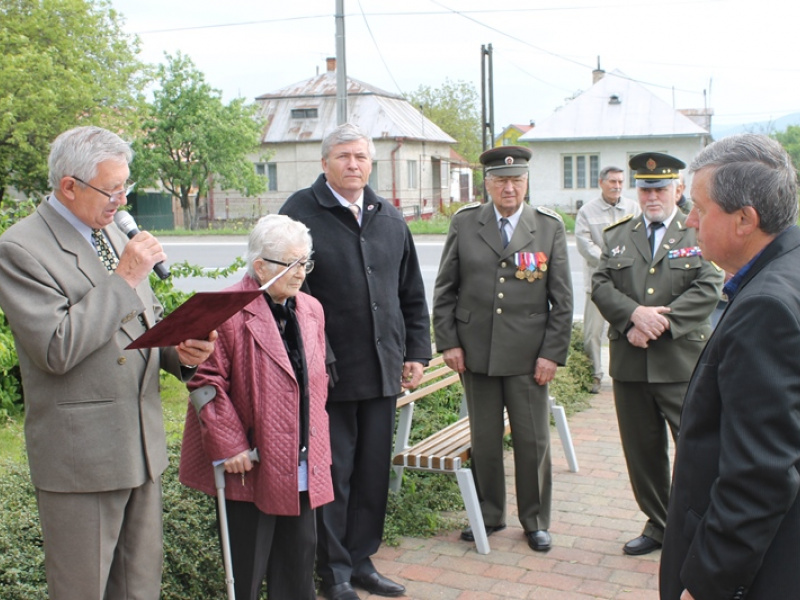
point(258, 396)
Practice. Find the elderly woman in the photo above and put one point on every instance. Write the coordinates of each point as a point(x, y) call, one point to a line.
point(268, 372)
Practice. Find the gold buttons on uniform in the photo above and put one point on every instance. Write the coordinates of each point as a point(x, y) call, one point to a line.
point(650, 291)
point(652, 270)
point(122, 360)
point(499, 311)
point(500, 295)
point(503, 264)
point(502, 280)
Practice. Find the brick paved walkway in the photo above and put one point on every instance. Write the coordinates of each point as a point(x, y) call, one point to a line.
point(594, 514)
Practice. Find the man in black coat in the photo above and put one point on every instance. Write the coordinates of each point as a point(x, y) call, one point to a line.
point(734, 514)
point(368, 279)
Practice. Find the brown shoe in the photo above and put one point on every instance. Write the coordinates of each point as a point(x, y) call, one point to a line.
point(595, 389)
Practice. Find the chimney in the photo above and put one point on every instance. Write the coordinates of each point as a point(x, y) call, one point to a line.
point(331, 63)
point(598, 73)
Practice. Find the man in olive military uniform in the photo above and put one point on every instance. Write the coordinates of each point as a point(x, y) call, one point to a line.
point(502, 314)
point(656, 292)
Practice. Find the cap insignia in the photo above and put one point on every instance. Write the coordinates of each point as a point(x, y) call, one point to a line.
point(651, 164)
point(509, 160)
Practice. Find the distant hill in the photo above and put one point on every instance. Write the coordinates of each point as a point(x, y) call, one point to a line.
point(760, 127)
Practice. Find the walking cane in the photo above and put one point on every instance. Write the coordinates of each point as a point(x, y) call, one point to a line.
point(199, 398)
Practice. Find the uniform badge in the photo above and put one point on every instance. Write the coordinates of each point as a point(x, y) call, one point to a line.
point(617, 250)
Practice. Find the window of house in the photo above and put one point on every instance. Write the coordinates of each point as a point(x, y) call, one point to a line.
point(304, 113)
point(270, 171)
point(580, 171)
point(412, 174)
point(373, 176)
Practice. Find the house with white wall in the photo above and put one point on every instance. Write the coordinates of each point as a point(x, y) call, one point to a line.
point(412, 167)
point(605, 125)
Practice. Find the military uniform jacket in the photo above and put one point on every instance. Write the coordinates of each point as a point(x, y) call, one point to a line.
point(503, 323)
point(628, 278)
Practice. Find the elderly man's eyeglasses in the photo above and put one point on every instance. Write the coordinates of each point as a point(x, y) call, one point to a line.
point(115, 196)
point(307, 265)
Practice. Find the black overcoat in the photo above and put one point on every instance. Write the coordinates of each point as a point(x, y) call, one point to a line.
point(370, 285)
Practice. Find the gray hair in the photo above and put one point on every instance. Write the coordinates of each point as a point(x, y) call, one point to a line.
point(604, 172)
point(272, 237)
point(344, 134)
point(752, 170)
point(77, 152)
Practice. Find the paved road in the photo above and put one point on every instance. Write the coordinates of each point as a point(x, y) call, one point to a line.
point(216, 252)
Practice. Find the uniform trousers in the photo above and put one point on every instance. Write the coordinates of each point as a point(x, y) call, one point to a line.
point(528, 408)
point(644, 411)
point(276, 546)
point(103, 545)
point(593, 326)
point(350, 529)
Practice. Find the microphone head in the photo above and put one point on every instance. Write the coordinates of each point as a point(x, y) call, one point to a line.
point(125, 221)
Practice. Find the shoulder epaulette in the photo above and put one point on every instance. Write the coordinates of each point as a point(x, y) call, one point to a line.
point(715, 265)
point(549, 212)
point(624, 219)
point(468, 206)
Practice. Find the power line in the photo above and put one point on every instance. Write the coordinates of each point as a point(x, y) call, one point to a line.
point(377, 48)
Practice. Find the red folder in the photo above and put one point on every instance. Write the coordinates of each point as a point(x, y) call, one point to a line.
point(195, 319)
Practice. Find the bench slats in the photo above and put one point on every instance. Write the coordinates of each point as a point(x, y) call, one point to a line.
point(445, 450)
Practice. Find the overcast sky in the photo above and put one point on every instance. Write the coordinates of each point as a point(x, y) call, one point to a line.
point(742, 54)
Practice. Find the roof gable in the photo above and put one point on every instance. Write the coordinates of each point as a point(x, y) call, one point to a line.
point(614, 107)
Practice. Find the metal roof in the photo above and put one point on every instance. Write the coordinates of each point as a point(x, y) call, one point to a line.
point(614, 108)
point(379, 113)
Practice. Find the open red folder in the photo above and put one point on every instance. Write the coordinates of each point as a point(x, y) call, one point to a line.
point(195, 319)
point(200, 315)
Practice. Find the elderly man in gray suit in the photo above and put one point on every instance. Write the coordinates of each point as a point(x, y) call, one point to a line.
point(502, 315)
point(76, 294)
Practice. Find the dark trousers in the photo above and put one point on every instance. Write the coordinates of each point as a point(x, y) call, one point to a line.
point(349, 529)
point(644, 413)
point(278, 547)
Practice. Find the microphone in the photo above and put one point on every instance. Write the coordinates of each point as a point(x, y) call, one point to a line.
point(125, 222)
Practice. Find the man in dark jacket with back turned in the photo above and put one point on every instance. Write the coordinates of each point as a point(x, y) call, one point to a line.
point(734, 513)
point(368, 280)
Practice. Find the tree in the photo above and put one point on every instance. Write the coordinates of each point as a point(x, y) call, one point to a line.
point(455, 107)
point(191, 138)
point(790, 140)
point(63, 63)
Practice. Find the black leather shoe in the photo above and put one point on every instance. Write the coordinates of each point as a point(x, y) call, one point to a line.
point(468, 536)
point(641, 545)
point(375, 583)
point(539, 541)
point(340, 591)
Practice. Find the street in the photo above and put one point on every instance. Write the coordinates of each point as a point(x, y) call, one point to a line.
point(220, 251)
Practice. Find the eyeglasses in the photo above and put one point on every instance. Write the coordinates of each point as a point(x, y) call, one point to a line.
point(308, 265)
point(115, 196)
point(517, 182)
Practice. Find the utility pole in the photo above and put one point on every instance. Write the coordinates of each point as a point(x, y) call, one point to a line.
point(487, 98)
point(341, 66)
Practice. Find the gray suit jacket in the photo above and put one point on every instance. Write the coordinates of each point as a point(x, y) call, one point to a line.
point(503, 324)
point(92, 409)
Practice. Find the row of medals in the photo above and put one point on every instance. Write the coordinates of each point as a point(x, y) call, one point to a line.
point(531, 276)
